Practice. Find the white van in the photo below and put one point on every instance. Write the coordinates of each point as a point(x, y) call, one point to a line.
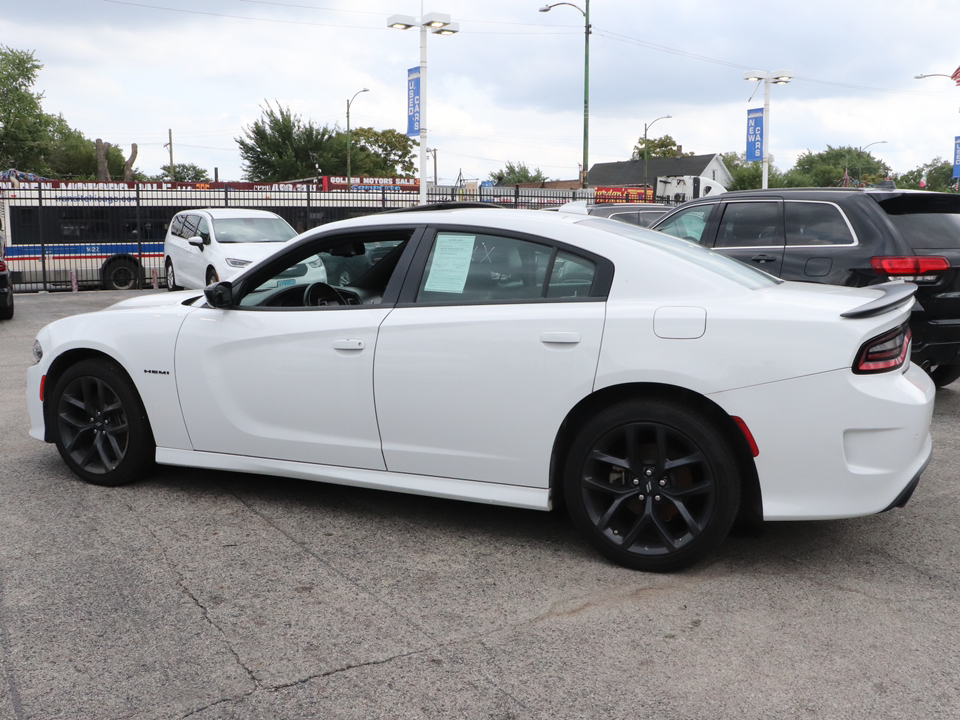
point(207, 245)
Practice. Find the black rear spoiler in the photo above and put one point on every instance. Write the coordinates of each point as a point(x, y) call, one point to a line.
point(894, 293)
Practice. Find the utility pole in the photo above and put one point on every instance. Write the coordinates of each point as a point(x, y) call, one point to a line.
point(433, 151)
point(170, 145)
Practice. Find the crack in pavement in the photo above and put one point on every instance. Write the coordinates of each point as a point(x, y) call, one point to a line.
point(205, 613)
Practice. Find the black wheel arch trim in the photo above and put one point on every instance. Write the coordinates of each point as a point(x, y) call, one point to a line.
point(751, 498)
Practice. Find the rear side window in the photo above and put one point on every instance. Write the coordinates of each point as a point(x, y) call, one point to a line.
point(815, 223)
point(176, 227)
point(478, 268)
point(926, 220)
point(749, 224)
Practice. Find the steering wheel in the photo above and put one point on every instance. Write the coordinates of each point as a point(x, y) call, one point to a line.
point(319, 293)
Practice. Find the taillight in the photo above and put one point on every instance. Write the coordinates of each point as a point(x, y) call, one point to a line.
point(884, 352)
point(3, 265)
point(911, 268)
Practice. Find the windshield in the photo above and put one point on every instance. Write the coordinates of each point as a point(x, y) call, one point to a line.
point(252, 229)
point(745, 275)
point(930, 221)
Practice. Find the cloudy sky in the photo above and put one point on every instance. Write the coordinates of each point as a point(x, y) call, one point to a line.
point(509, 86)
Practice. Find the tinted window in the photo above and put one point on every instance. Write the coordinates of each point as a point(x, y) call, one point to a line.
point(572, 276)
point(749, 224)
point(203, 230)
point(176, 227)
point(190, 225)
point(926, 220)
point(815, 223)
point(688, 224)
point(627, 217)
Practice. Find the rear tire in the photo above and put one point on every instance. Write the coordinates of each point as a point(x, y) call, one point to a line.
point(943, 375)
point(99, 424)
point(652, 484)
point(120, 275)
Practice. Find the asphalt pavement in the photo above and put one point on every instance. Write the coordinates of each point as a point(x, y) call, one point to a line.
point(203, 595)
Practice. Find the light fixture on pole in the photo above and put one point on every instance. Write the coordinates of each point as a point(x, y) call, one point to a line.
point(349, 103)
point(781, 77)
point(438, 24)
point(586, 80)
point(860, 158)
point(647, 126)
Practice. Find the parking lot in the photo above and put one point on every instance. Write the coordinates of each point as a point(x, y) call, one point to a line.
point(199, 594)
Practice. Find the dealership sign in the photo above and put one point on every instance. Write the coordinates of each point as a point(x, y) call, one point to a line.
point(755, 135)
point(413, 102)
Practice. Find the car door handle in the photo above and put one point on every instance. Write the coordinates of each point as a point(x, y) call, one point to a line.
point(763, 258)
point(565, 338)
point(348, 344)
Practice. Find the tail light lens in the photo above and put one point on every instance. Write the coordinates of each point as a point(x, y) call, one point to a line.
point(3, 265)
point(911, 268)
point(885, 352)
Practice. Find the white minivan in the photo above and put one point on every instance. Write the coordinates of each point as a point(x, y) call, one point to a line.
point(207, 245)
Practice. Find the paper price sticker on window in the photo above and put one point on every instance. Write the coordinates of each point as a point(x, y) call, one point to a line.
point(451, 263)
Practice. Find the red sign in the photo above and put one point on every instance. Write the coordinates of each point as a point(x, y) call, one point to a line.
point(622, 195)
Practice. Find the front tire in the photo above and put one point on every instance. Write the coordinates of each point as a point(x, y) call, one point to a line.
point(652, 484)
point(171, 276)
point(100, 426)
point(6, 313)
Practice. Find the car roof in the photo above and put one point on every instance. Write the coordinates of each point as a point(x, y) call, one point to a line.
point(224, 213)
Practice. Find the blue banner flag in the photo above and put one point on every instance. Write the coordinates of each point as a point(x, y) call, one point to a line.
point(956, 155)
point(413, 102)
point(755, 135)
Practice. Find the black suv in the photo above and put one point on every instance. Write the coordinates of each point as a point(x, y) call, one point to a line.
point(845, 236)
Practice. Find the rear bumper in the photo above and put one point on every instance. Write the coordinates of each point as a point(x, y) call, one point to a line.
point(837, 445)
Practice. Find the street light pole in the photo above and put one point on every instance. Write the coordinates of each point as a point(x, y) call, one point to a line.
point(586, 81)
point(860, 158)
point(349, 103)
point(439, 24)
point(781, 77)
point(646, 153)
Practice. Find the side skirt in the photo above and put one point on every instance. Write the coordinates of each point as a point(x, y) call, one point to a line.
point(449, 488)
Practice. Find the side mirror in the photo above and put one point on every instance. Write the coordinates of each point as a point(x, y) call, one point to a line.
point(196, 241)
point(219, 295)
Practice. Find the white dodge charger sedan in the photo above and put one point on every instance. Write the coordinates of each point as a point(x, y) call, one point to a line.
point(527, 359)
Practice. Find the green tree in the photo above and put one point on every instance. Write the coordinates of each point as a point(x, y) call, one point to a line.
point(660, 147)
point(517, 173)
point(280, 145)
point(749, 175)
point(24, 127)
point(936, 174)
point(382, 153)
point(182, 172)
point(827, 168)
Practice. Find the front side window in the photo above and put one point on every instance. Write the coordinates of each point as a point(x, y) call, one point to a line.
point(688, 224)
point(749, 224)
point(190, 225)
point(203, 230)
point(815, 223)
point(313, 275)
point(478, 268)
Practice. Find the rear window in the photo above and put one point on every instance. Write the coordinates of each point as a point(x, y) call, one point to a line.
point(926, 221)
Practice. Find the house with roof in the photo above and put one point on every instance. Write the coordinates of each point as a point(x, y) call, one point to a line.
point(631, 173)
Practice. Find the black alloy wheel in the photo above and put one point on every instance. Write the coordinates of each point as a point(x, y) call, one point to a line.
point(652, 485)
point(101, 427)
